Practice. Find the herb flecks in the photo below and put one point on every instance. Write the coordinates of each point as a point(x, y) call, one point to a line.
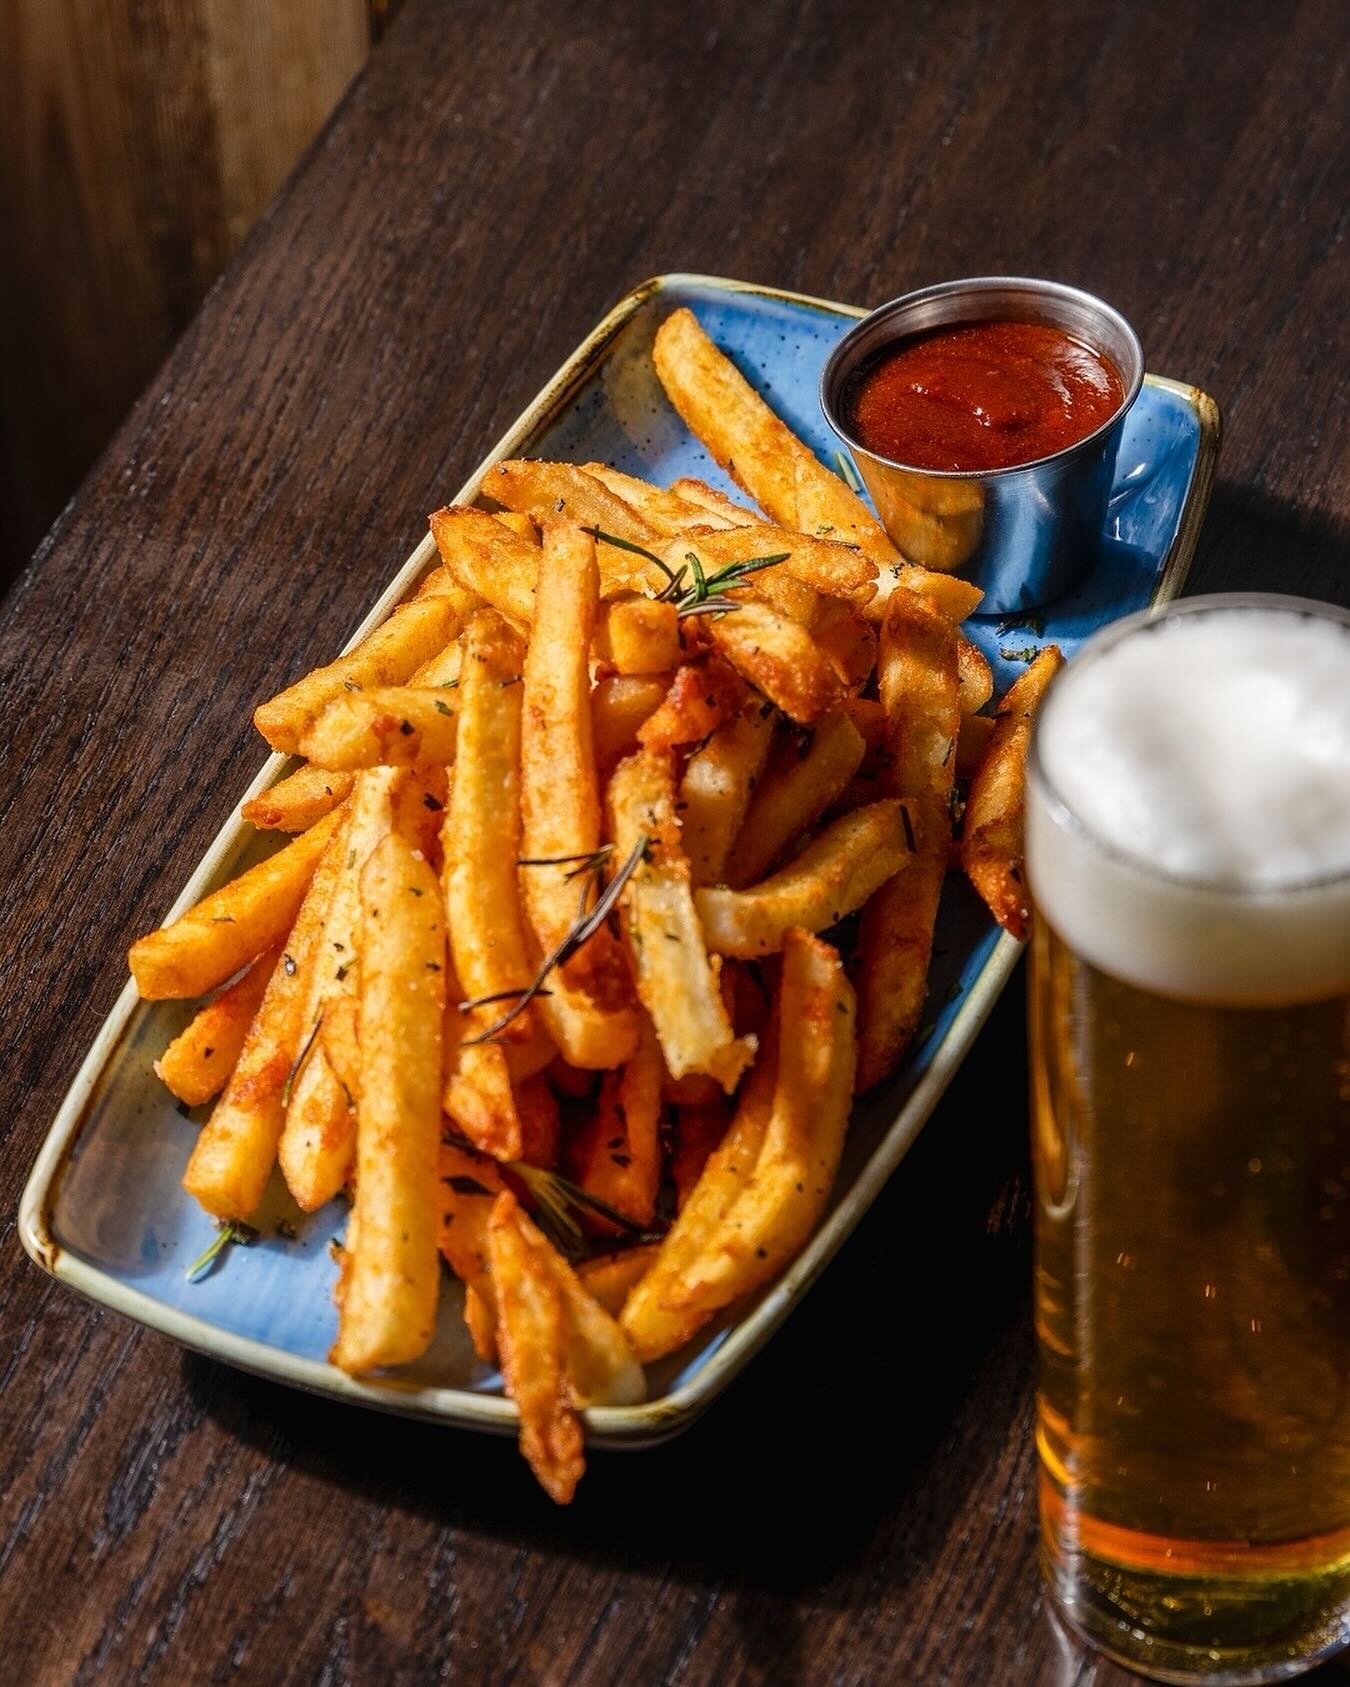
point(1033, 624)
point(584, 927)
point(229, 1231)
point(1022, 653)
point(559, 1205)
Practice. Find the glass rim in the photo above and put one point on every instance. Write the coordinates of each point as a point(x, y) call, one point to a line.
point(1098, 645)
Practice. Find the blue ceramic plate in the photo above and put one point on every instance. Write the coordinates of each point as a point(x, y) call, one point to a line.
point(104, 1210)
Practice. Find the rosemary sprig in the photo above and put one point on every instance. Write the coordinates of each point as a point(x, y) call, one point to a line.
point(847, 473)
point(707, 594)
point(559, 1204)
point(299, 1061)
point(230, 1230)
point(582, 929)
point(590, 860)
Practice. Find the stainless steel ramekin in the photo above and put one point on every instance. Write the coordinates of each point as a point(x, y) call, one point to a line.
point(1026, 534)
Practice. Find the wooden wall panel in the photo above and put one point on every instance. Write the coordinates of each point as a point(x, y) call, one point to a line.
point(139, 140)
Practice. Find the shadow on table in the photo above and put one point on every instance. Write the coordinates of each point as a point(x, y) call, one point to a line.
point(1254, 543)
point(846, 1414)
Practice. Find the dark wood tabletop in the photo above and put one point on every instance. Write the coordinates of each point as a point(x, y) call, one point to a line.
point(860, 1506)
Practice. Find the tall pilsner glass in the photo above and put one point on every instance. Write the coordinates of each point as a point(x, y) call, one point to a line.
point(1188, 848)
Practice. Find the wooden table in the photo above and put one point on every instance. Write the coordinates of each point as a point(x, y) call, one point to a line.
point(860, 1507)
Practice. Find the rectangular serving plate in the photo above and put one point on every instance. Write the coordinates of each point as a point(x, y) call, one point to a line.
point(104, 1210)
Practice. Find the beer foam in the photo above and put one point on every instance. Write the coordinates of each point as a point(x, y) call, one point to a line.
point(1188, 817)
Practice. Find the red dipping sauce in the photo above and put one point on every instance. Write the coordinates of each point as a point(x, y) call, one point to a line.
point(984, 395)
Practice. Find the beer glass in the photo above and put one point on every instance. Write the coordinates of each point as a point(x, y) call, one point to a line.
point(1188, 851)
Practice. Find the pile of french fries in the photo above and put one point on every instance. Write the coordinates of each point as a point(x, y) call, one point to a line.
point(539, 979)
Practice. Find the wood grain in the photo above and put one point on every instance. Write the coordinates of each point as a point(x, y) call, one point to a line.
point(859, 1507)
point(139, 140)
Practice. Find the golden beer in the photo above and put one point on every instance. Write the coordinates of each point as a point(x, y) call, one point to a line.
point(1191, 1135)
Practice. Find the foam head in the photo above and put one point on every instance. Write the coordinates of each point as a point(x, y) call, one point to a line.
point(1188, 808)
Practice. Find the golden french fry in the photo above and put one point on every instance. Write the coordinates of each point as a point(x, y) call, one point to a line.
point(955, 597)
point(233, 925)
point(233, 1156)
point(676, 980)
point(806, 774)
point(972, 741)
point(413, 633)
point(781, 1202)
point(836, 873)
point(725, 511)
point(560, 1350)
point(469, 1184)
point(700, 696)
point(974, 677)
point(617, 1154)
point(991, 848)
point(919, 687)
point(388, 726)
point(760, 452)
point(619, 706)
point(482, 831)
point(778, 657)
point(561, 492)
point(391, 1276)
point(609, 1278)
point(489, 560)
point(590, 1011)
point(638, 635)
point(848, 641)
point(715, 793)
point(520, 524)
point(201, 1057)
point(664, 511)
point(651, 1324)
point(318, 1144)
point(294, 803)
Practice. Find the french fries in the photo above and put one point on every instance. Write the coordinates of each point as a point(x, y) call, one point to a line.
point(200, 1058)
point(294, 803)
point(833, 875)
point(414, 632)
point(232, 926)
point(675, 978)
point(759, 451)
point(388, 726)
point(237, 1148)
point(991, 846)
point(920, 692)
point(389, 1273)
point(590, 1011)
point(543, 939)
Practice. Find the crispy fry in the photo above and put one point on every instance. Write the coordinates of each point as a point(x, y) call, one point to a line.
point(699, 1127)
point(777, 657)
point(719, 780)
point(848, 641)
point(974, 677)
point(414, 632)
point(484, 1083)
point(294, 803)
point(388, 726)
point(234, 1154)
point(619, 706)
point(955, 597)
point(782, 1200)
point(540, 1121)
point(489, 559)
point(759, 451)
point(518, 523)
point(665, 512)
point(482, 829)
point(638, 635)
point(991, 849)
point(700, 697)
point(823, 565)
point(233, 925)
point(591, 1010)
point(917, 676)
point(806, 774)
point(832, 876)
point(617, 1154)
point(651, 1324)
point(676, 980)
point(561, 492)
point(560, 1350)
point(391, 1277)
point(726, 512)
point(201, 1057)
point(341, 1047)
point(609, 1278)
point(469, 1184)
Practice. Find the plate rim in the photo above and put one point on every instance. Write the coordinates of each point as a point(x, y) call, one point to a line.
point(606, 1426)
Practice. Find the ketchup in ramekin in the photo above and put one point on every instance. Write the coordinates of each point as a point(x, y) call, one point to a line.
point(982, 395)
